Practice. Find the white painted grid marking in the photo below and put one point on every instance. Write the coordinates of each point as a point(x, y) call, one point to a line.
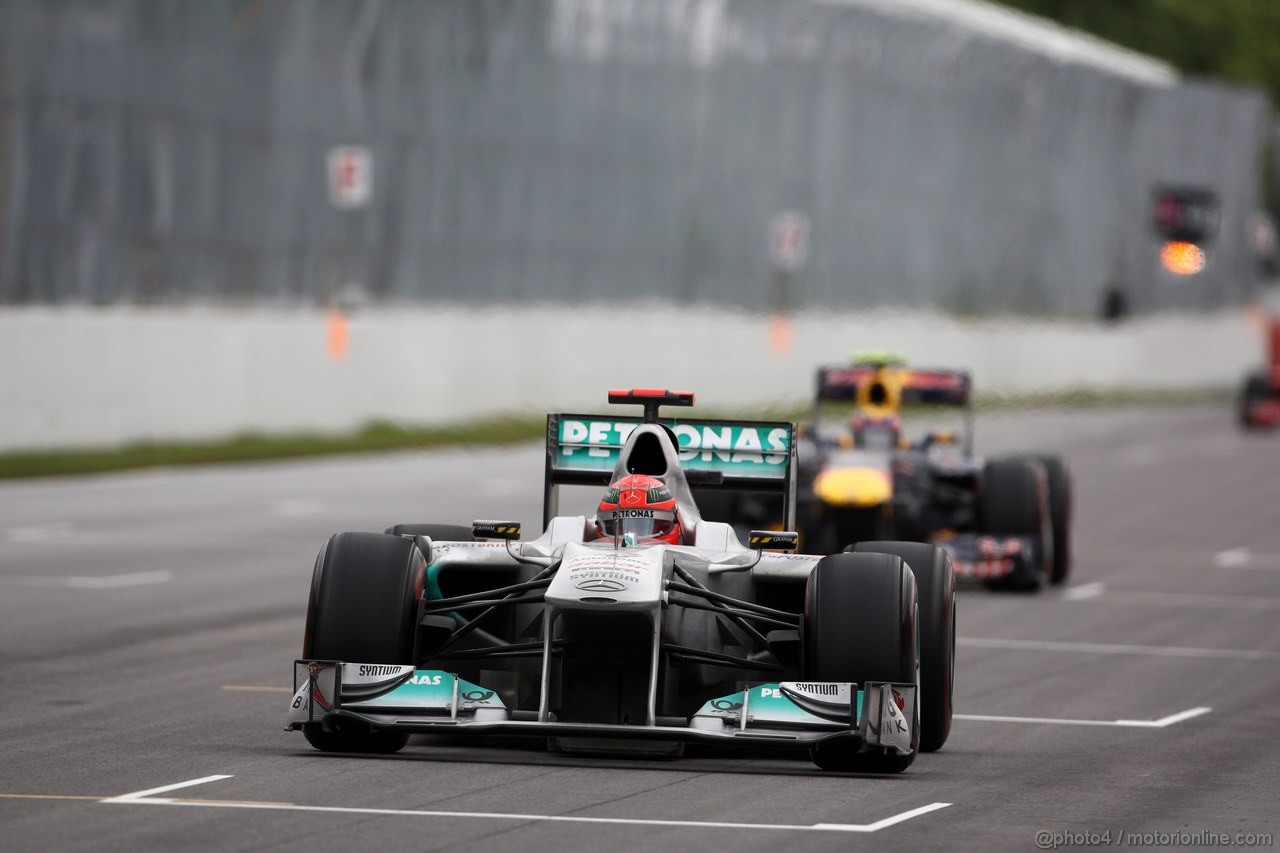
point(1244, 558)
point(1083, 591)
point(118, 581)
point(1116, 649)
point(35, 534)
point(1232, 557)
point(1099, 592)
point(1194, 599)
point(139, 795)
point(692, 824)
point(1163, 722)
point(144, 798)
point(90, 582)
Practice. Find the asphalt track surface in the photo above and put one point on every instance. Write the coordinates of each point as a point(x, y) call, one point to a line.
point(148, 622)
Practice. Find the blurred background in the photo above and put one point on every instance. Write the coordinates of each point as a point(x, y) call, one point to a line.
point(257, 215)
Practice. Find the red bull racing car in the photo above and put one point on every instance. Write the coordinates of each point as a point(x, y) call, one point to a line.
point(1004, 521)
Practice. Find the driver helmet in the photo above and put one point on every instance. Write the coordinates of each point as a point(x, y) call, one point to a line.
point(639, 506)
point(876, 433)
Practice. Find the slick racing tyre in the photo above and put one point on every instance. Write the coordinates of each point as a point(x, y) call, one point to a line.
point(936, 593)
point(364, 596)
point(860, 625)
point(1013, 501)
point(1060, 498)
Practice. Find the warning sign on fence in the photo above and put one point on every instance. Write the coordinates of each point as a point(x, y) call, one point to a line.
point(789, 240)
point(350, 177)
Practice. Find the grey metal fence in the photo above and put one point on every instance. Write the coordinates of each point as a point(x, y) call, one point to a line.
point(948, 155)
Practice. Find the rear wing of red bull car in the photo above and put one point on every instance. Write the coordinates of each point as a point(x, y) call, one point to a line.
point(735, 455)
point(900, 385)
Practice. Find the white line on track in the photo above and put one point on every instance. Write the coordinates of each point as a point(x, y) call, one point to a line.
point(138, 795)
point(118, 581)
point(1163, 722)
point(1186, 599)
point(144, 798)
point(1243, 558)
point(1232, 558)
point(1098, 592)
point(1083, 591)
point(124, 581)
point(34, 534)
point(1116, 649)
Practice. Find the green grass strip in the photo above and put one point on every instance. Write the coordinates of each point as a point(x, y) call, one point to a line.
point(250, 447)
point(383, 435)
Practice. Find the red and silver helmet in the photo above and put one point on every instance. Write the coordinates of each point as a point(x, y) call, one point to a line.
point(642, 506)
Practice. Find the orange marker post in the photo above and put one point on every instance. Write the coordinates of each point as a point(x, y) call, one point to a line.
point(780, 335)
point(336, 341)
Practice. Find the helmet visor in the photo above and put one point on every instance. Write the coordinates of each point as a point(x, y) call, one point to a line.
point(642, 523)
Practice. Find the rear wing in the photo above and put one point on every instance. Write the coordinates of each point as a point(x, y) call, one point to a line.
point(909, 386)
point(736, 455)
point(926, 387)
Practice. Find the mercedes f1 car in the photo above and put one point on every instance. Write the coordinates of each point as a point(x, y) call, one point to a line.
point(639, 630)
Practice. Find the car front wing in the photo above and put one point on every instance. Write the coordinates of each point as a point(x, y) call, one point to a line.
point(984, 557)
point(331, 694)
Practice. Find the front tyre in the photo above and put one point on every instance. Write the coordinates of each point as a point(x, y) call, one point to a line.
point(860, 625)
point(936, 592)
point(363, 604)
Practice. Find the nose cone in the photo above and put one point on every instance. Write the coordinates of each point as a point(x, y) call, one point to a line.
point(860, 487)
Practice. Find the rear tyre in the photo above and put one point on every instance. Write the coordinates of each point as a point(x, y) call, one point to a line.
point(936, 593)
point(363, 603)
point(1060, 501)
point(1013, 501)
point(860, 625)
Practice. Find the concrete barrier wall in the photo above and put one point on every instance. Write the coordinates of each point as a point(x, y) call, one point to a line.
point(88, 377)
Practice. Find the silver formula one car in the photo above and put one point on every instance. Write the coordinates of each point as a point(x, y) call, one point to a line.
point(640, 629)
